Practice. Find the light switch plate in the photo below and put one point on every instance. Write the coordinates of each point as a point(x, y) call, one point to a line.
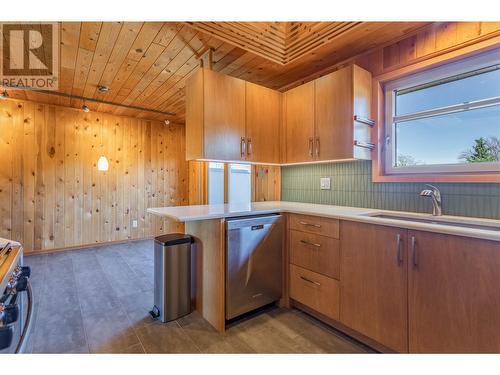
point(134, 223)
point(325, 183)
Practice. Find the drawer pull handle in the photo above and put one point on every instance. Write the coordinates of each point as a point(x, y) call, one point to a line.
point(364, 120)
point(310, 225)
point(310, 281)
point(243, 147)
point(399, 255)
point(414, 252)
point(310, 243)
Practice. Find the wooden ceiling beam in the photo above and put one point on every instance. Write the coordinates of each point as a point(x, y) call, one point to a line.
point(247, 44)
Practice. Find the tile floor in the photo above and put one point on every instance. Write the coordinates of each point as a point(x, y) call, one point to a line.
point(97, 301)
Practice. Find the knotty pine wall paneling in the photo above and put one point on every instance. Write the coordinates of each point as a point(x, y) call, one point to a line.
point(267, 183)
point(51, 194)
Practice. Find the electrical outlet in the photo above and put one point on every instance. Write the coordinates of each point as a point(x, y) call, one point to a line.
point(134, 223)
point(325, 183)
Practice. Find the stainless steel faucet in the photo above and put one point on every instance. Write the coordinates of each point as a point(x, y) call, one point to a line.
point(435, 195)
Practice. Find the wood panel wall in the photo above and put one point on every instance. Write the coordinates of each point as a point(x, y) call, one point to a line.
point(51, 194)
point(267, 183)
point(431, 41)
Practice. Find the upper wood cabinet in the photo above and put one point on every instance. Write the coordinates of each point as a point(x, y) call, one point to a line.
point(342, 98)
point(454, 297)
point(230, 119)
point(328, 119)
point(263, 123)
point(215, 116)
point(373, 276)
point(299, 120)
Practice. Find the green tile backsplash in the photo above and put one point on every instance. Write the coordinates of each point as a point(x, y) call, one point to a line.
point(352, 186)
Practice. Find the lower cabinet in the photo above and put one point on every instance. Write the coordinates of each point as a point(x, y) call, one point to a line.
point(374, 282)
point(454, 294)
point(410, 291)
point(314, 252)
point(314, 290)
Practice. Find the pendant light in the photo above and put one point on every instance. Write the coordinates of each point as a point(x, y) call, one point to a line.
point(102, 164)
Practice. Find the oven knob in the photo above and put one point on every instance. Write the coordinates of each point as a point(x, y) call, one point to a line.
point(21, 284)
point(12, 282)
point(22, 271)
point(8, 314)
point(6, 335)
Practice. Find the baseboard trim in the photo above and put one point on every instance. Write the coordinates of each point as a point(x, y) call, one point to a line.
point(84, 246)
point(356, 336)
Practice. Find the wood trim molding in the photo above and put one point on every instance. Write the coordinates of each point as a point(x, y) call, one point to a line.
point(378, 110)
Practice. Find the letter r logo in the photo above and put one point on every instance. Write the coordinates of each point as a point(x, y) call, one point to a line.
point(27, 49)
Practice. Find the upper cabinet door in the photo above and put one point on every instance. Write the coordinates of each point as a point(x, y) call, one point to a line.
point(299, 118)
point(224, 115)
point(263, 115)
point(453, 296)
point(373, 274)
point(334, 116)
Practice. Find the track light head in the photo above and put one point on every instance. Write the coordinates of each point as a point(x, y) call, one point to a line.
point(4, 95)
point(167, 122)
point(103, 89)
point(85, 109)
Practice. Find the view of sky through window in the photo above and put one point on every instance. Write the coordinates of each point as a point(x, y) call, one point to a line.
point(447, 138)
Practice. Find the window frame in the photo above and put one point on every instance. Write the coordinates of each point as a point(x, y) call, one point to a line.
point(226, 168)
point(444, 71)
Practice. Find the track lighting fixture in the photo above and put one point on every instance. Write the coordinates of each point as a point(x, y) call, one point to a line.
point(103, 89)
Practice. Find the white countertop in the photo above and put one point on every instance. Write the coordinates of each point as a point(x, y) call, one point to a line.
point(219, 211)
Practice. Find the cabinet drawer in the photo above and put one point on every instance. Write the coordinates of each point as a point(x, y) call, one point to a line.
point(316, 253)
point(316, 291)
point(315, 224)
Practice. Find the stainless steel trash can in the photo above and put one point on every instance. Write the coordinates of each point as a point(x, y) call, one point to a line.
point(172, 276)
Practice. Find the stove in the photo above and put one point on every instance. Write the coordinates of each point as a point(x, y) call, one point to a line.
point(16, 298)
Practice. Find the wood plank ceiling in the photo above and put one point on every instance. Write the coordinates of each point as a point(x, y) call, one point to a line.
point(280, 42)
point(145, 64)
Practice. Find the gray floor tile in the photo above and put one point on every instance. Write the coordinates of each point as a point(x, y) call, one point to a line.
point(110, 333)
point(137, 306)
point(208, 340)
point(166, 338)
point(59, 333)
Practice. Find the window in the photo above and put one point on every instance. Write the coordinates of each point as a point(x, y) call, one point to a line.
point(445, 119)
point(215, 183)
point(239, 183)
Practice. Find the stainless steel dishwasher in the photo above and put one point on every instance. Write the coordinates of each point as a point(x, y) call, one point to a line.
point(254, 262)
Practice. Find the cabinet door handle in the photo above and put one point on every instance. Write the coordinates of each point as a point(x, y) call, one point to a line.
point(309, 224)
point(243, 147)
point(310, 281)
point(317, 147)
point(310, 243)
point(249, 147)
point(414, 252)
point(311, 141)
point(398, 250)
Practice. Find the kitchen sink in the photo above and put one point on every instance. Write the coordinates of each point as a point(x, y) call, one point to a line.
point(437, 221)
